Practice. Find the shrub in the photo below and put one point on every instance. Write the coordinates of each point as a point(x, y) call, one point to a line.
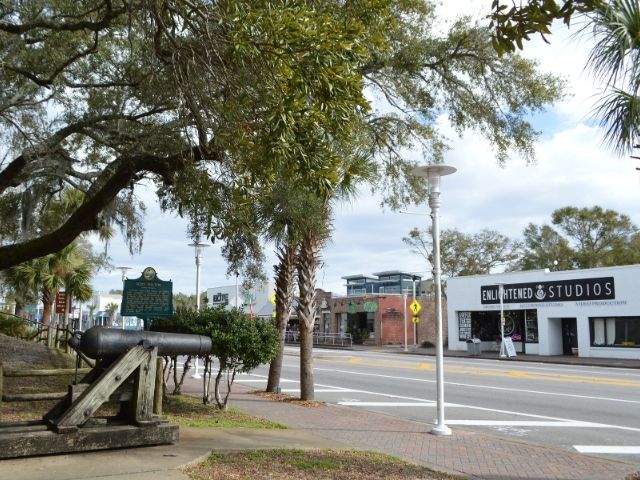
point(359, 335)
point(13, 326)
point(427, 344)
point(240, 344)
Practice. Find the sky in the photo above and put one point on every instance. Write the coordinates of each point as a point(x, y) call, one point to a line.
point(572, 168)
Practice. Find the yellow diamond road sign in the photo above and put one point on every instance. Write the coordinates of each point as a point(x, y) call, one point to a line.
point(415, 307)
point(272, 299)
point(415, 319)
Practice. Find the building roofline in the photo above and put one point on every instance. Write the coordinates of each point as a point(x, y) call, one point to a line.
point(361, 275)
point(396, 272)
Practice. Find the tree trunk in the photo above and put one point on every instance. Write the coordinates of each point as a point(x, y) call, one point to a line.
point(47, 302)
point(67, 309)
point(285, 278)
point(19, 309)
point(308, 262)
point(307, 389)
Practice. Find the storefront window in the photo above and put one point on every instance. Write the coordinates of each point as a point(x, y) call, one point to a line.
point(615, 331)
point(531, 325)
point(371, 322)
point(486, 325)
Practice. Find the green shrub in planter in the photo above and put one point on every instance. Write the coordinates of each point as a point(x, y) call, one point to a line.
point(359, 336)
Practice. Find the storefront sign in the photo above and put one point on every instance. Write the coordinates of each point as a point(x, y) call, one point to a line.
point(508, 345)
point(559, 291)
point(370, 307)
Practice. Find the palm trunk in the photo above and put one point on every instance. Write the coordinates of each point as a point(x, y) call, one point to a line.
point(19, 309)
point(285, 277)
point(308, 262)
point(47, 302)
point(67, 309)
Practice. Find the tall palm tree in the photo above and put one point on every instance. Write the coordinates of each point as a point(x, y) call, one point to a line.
point(21, 293)
point(314, 232)
point(47, 275)
point(111, 309)
point(615, 59)
point(77, 286)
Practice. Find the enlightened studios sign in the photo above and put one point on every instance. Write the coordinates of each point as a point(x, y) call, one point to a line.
point(558, 291)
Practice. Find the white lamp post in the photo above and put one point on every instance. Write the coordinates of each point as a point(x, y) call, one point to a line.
point(124, 271)
point(404, 304)
point(501, 296)
point(199, 247)
point(433, 174)
point(415, 325)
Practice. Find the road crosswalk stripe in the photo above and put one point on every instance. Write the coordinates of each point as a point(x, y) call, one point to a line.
point(617, 449)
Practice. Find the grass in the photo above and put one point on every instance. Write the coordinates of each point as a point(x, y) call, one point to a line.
point(310, 465)
point(189, 411)
point(184, 410)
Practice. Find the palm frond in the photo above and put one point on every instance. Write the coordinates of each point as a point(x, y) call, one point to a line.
point(618, 114)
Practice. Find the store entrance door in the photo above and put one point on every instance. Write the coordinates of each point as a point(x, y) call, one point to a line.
point(569, 335)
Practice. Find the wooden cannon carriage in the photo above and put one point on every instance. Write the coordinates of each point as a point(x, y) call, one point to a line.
point(125, 372)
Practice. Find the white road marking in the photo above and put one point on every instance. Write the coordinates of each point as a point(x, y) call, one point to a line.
point(620, 449)
point(337, 389)
point(519, 423)
point(386, 404)
point(319, 390)
point(487, 387)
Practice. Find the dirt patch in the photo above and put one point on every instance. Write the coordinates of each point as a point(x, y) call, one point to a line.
point(283, 397)
point(20, 354)
point(16, 353)
point(310, 465)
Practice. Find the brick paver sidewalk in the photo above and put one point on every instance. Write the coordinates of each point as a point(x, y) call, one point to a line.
point(473, 454)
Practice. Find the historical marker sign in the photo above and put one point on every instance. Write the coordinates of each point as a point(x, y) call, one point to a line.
point(147, 296)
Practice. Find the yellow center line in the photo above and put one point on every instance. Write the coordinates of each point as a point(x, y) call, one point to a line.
point(484, 372)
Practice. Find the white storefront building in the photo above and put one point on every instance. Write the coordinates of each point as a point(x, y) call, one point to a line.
point(591, 313)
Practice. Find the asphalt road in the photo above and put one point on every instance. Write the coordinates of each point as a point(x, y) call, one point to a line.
point(593, 410)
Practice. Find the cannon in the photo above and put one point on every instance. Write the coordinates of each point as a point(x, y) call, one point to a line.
point(103, 343)
point(127, 371)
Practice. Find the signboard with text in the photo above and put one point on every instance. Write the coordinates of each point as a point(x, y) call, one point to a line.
point(559, 291)
point(60, 302)
point(147, 296)
point(508, 345)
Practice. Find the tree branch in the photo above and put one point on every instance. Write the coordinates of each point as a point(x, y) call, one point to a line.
point(86, 217)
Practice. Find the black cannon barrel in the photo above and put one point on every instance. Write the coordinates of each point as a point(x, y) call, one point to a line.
point(100, 342)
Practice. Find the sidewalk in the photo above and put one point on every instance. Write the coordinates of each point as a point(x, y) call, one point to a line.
point(163, 462)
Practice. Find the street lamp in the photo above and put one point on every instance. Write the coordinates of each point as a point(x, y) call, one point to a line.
point(124, 271)
point(501, 296)
point(433, 174)
point(199, 247)
point(415, 325)
point(404, 304)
